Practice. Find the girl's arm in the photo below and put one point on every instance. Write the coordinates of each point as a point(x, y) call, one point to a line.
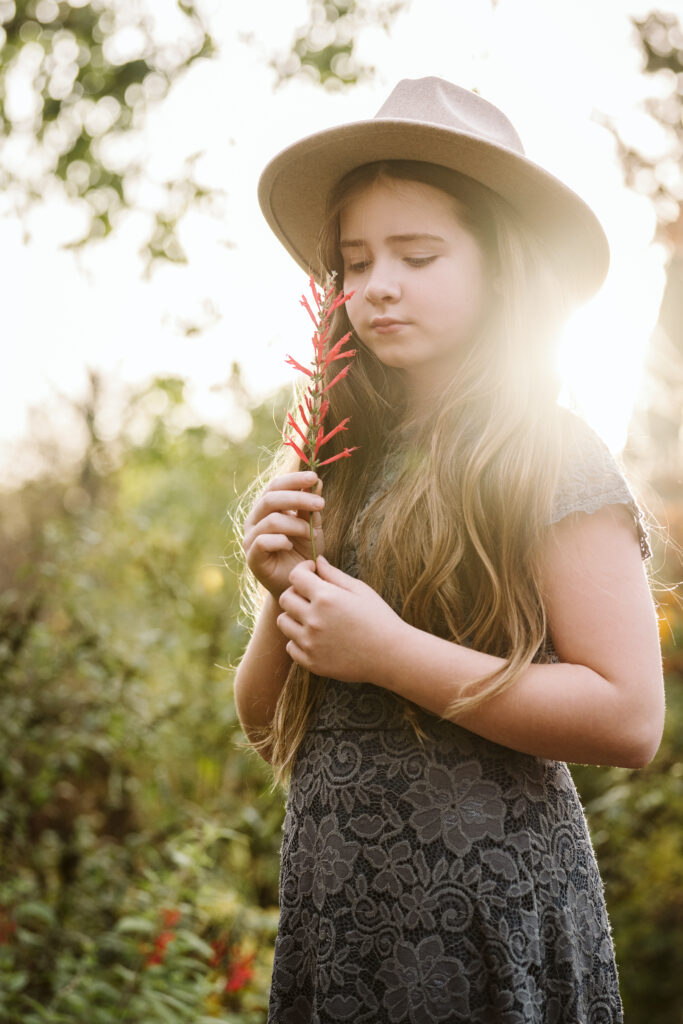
point(276, 539)
point(261, 674)
point(603, 704)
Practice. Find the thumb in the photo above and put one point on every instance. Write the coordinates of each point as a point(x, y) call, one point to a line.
point(331, 574)
point(317, 513)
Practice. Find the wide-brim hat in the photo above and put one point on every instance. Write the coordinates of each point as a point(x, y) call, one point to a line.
point(434, 121)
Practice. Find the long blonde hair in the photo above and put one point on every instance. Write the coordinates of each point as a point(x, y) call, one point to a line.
point(452, 541)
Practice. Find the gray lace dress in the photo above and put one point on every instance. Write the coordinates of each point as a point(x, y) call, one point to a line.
point(444, 881)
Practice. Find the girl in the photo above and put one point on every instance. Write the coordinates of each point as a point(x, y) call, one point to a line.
point(480, 615)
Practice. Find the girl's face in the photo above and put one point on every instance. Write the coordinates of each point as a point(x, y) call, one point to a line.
point(418, 277)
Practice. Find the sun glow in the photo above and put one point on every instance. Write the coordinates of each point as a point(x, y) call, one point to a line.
point(603, 347)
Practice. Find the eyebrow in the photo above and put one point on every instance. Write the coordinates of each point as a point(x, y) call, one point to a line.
point(357, 243)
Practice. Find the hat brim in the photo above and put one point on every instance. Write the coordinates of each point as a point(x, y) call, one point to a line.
point(294, 187)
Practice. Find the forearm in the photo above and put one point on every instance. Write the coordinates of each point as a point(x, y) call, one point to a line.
point(261, 673)
point(567, 712)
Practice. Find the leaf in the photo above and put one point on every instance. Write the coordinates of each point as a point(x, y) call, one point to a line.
point(136, 926)
point(162, 1011)
point(15, 981)
point(35, 911)
point(194, 942)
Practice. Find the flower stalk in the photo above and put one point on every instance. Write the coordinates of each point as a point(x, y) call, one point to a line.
point(307, 436)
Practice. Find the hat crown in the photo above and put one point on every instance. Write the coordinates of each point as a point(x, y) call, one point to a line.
point(434, 122)
point(435, 101)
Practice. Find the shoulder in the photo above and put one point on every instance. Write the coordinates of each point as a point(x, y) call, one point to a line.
point(590, 477)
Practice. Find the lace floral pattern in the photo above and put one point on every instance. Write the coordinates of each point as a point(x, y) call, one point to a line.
point(446, 879)
point(591, 478)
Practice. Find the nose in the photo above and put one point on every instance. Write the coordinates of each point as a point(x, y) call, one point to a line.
point(382, 284)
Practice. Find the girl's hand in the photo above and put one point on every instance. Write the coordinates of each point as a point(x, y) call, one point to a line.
point(336, 625)
point(277, 531)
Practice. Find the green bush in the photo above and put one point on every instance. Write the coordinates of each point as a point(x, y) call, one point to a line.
point(139, 837)
point(635, 819)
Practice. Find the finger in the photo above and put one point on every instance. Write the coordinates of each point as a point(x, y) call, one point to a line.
point(296, 606)
point(279, 522)
point(265, 544)
point(290, 628)
point(303, 502)
point(306, 480)
point(304, 580)
point(296, 654)
point(331, 574)
point(317, 519)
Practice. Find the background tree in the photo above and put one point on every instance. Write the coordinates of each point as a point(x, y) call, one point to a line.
point(138, 838)
point(656, 441)
point(76, 80)
point(635, 816)
point(324, 49)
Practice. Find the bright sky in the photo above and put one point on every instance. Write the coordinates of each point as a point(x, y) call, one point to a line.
point(550, 66)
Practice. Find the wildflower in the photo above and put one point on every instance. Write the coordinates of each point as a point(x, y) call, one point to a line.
point(240, 972)
point(7, 927)
point(170, 916)
point(308, 436)
point(236, 965)
point(159, 951)
point(220, 949)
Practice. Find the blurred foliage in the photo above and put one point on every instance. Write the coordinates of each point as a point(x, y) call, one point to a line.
point(656, 442)
point(139, 840)
point(635, 819)
point(661, 177)
point(76, 80)
point(325, 50)
point(79, 77)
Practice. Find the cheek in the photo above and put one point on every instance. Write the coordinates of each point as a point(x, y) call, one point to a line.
point(353, 310)
point(471, 293)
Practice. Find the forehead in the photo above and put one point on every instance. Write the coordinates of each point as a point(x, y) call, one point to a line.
point(393, 204)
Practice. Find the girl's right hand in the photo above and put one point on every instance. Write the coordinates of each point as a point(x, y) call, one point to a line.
point(277, 531)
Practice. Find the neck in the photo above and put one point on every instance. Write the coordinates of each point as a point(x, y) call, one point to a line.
point(422, 395)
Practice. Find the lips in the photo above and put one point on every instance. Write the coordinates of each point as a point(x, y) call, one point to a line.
point(384, 321)
point(386, 324)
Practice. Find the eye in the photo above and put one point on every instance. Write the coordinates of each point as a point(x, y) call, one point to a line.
point(357, 267)
point(419, 261)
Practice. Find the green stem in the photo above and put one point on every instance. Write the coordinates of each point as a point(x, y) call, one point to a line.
point(310, 527)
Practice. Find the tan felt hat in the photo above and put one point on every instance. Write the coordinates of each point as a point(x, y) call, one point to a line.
point(431, 120)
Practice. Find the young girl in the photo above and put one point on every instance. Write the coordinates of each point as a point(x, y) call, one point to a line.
point(480, 615)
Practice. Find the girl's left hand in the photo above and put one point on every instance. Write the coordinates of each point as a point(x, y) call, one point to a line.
point(336, 625)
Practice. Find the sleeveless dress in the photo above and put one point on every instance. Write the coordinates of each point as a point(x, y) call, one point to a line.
point(444, 880)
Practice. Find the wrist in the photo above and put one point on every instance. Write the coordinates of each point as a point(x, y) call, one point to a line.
point(392, 662)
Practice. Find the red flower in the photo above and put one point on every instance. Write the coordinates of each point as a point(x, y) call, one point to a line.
point(170, 917)
point(7, 927)
point(220, 948)
point(310, 436)
point(240, 973)
point(159, 951)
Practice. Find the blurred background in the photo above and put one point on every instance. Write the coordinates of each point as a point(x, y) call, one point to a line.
point(146, 316)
